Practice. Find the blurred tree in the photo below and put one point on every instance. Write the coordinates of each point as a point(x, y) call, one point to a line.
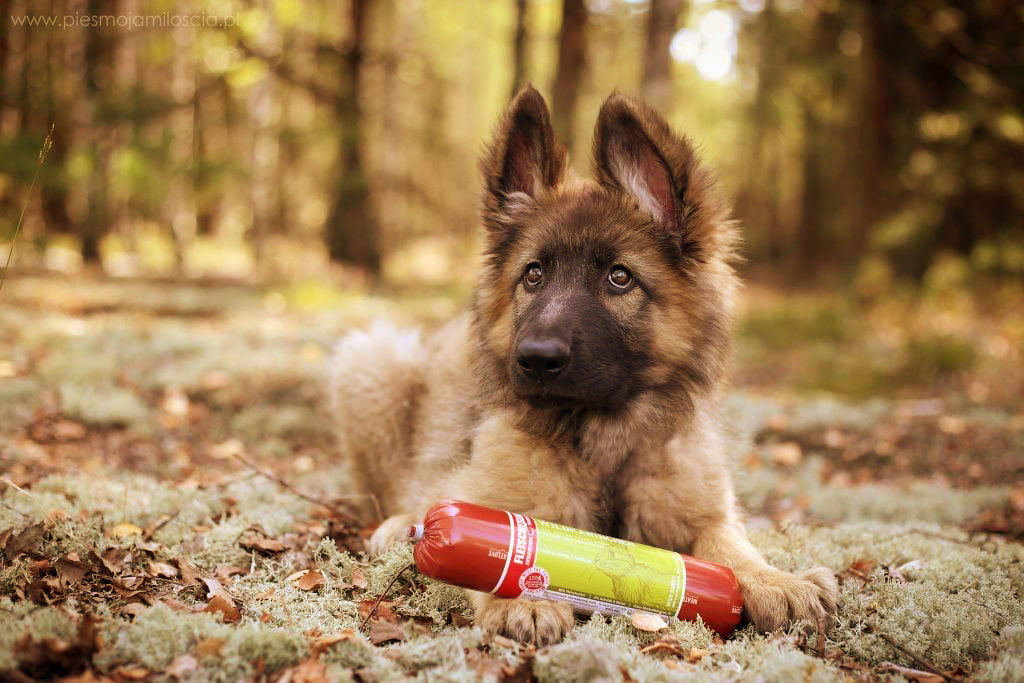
point(656, 82)
point(885, 45)
point(5, 12)
point(572, 58)
point(98, 58)
point(759, 193)
point(351, 231)
point(53, 191)
point(519, 48)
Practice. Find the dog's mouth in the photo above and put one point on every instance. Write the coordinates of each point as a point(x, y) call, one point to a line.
point(550, 398)
point(553, 401)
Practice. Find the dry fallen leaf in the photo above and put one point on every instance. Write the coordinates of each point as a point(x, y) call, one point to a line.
point(696, 654)
point(788, 453)
point(124, 529)
point(134, 673)
point(309, 671)
point(162, 569)
point(645, 621)
point(23, 541)
point(1017, 498)
point(221, 601)
point(228, 611)
point(358, 578)
point(225, 572)
point(215, 379)
point(228, 449)
point(383, 609)
point(320, 645)
point(382, 631)
point(834, 438)
point(189, 574)
point(66, 430)
point(181, 665)
point(951, 424)
point(268, 545)
point(307, 579)
point(209, 647)
point(71, 571)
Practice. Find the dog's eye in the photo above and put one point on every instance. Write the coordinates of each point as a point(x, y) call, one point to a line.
point(620, 277)
point(534, 274)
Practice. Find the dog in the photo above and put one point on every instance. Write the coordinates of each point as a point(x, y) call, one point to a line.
point(582, 385)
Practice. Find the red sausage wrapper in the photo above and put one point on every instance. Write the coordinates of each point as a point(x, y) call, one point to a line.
point(513, 555)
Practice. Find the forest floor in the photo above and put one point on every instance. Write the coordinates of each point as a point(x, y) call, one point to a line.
point(171, 506)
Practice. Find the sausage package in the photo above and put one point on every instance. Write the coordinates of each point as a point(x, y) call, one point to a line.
point(513, 555)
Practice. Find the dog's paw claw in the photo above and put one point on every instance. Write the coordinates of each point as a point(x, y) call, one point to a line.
point(773, 598)
point(532, 622)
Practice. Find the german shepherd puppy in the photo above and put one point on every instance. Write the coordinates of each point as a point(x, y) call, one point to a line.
point(583, 384)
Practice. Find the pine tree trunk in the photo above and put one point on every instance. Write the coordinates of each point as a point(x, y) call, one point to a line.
point(351, 231)
point(572, 56)
point(656, 83)
point(519, 48)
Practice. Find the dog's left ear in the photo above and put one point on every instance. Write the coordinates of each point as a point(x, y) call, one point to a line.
point(524, 160)
point(636, 153)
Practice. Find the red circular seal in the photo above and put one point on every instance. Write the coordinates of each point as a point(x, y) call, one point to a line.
point(533, 581)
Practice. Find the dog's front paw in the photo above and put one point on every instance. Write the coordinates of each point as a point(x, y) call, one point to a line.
point(392, 530)
point(774, 598)
point(533, 622)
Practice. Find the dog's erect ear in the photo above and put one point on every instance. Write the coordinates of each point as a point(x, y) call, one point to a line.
point(524, 158)
point(635, 152)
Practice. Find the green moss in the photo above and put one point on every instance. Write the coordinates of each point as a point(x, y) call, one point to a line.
point(102, 405)
point(583, 659)
point(958, 599)
point(17, 619)
point(1008, 664)
point(19, 398)
point(759, 658)
point(156, 637)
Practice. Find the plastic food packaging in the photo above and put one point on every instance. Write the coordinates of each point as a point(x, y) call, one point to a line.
point(513, 555)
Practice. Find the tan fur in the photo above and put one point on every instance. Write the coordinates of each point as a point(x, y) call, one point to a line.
point(421, 420)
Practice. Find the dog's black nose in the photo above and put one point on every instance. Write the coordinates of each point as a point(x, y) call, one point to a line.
point(542, 359)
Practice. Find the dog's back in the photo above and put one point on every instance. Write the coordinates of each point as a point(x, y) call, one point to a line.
point(403, 407)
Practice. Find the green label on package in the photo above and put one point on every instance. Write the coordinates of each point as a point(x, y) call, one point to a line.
point(604, 574)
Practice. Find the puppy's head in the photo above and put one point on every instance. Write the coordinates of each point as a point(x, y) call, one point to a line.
point(596, 291)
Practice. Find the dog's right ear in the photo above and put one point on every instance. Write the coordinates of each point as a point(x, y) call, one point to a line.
point(523, 160)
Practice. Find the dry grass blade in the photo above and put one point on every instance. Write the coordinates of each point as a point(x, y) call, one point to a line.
point(47, 145)
point(383, 593)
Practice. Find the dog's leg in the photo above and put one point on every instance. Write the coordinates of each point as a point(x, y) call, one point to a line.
point(771, 597)
point(682, 499)
point(394, 529)
point(519, 472)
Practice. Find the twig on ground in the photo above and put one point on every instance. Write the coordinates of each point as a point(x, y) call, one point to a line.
point(918, 661)
point(306, 496)
point(47, 144)
point(908, 673)
point(373, 610)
